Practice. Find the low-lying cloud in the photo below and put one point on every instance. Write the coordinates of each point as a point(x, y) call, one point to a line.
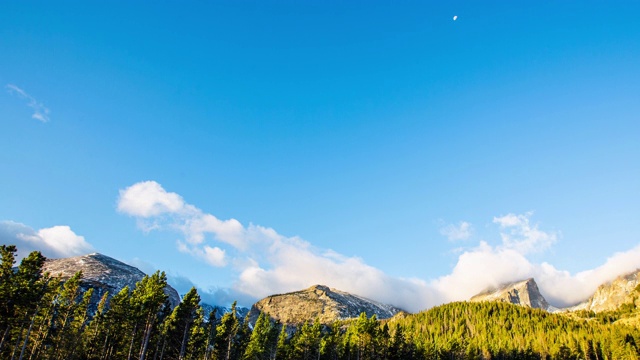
point(267, 262)
point(54, 242)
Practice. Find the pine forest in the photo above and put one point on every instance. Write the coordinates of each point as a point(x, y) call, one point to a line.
point(42, 317)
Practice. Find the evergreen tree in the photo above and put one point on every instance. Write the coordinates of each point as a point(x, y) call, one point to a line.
point(148, 299)
point(210, 333)
point(262, 337)
point(305, 343)
point(282, 346)
point(226, 333)
point(179, 325)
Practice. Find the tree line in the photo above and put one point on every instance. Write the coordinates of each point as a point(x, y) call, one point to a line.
point(43, 317)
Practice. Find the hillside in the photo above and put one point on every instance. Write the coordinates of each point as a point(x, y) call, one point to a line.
point(321, 302)
point(103, 274)
point(611, 295)
point(466, 330)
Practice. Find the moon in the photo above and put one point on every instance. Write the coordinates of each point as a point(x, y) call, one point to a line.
point(455, 17)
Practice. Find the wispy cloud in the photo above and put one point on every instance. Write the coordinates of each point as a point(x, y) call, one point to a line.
point(266, 262)
point(40, 112)
point(517, 233)
point(454, 232)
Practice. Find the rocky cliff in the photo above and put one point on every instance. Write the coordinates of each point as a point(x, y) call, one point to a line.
point(318, 301)
point(610, 296)
point(523, 293)
point(103, 274)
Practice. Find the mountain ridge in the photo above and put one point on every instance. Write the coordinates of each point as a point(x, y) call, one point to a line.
point(612, 294)
point(524, 293)
point(102, 273)
point(321, 302)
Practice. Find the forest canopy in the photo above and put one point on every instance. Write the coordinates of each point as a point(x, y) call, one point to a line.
point(45, 317)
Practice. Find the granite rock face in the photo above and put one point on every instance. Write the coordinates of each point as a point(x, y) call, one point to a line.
point(102, 273)
point(611, 295)
point(321, 302)
point(524, 293)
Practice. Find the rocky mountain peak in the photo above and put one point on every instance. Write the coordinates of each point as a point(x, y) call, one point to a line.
point(611, 295)
point(524, 293)
point(102, 273)
point(321, 302)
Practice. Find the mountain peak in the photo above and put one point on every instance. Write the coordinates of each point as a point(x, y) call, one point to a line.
point(321, 302)
point(319, 288)
point(102, 273)
point(524, 293)
point(610, 295)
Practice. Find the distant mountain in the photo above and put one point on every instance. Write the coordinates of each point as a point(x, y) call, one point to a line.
point(610, 296)
point(524, 293)
point(318, 301)
point(221, 310)
point(102, 273)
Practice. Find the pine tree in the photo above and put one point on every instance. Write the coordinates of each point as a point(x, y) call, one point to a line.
point(20, 294)
point(260, 343)
point(117, 326)
point(67, 303)
point(330, 345)
point(226, 333)
point(197, 346)
point(32, 286)
point(306, 341)
point(210, 333)
point(148, 299)
point(8, 290)
point(96, 329)
point(179, 325)
point(282, 346)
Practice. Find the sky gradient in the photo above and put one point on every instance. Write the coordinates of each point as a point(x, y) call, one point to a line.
point(385, 149)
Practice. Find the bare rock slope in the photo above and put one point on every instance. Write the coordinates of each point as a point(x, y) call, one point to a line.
point(102, 273)
point(611, 295)
point(524, 293)
point(318, 301)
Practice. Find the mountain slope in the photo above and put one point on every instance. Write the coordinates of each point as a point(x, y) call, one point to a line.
point(318, 301)
point(524, 293)
point(610, 296)
point(241, 312)
point(102, 273)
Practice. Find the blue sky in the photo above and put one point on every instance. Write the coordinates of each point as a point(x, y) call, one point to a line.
point(391, 150)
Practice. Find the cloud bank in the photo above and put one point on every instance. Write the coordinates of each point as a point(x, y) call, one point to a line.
point(266, 262)
point(54, 242)
point(40, 112)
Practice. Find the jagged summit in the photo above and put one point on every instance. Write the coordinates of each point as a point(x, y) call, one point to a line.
point(611, 295)
point(102, 273)
point(319, 301)
point(524, 293)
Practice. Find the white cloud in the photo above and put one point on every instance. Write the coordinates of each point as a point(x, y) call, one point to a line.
point(267, 262)
point(146, 199)
point(462, 231)
point(53, 242)
point(480, 268)
point(519, 234)
point(64, 241)
point(40, 112)
point(213, 256)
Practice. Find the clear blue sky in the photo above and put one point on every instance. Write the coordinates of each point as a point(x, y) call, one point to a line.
point(371, 129)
